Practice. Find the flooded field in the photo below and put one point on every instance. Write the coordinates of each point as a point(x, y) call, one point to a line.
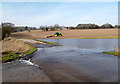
point(79, 60)
point(95, 45)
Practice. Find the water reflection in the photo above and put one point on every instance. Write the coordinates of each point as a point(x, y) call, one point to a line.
point(96, 45)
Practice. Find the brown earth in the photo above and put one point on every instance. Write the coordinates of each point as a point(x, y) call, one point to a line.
point(70, 34)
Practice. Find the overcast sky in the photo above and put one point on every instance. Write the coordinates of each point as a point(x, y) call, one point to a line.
point(62, 13)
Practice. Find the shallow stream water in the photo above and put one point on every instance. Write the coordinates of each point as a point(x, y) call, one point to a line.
point(79, 60)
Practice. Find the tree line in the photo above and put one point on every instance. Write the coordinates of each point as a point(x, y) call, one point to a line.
point(51, 28)
point(79, 26)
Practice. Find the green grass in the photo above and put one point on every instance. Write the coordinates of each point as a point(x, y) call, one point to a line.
point(33, 49)
point(100, 37)
point(11, 55)
point(93, 37)
point(113, 53)
point(50, 43)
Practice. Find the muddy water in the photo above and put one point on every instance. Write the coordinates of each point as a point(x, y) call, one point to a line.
point(79, 60)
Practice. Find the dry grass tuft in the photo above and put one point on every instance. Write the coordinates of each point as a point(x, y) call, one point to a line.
point(13, 45)
point(118, 49)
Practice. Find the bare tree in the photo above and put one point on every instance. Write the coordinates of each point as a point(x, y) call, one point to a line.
point(7, 29)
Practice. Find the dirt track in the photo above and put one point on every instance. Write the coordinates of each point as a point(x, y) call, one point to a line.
point(70, 34)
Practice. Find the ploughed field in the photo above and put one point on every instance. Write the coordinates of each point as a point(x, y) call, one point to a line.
point(70, 34)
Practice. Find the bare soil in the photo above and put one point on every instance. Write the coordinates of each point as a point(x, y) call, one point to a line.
point(70, 34)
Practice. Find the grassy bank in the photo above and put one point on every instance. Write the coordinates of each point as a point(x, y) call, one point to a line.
point(113, 53)
point(50, 43)
point(13, 49)
point(99, 37)
point(116, 52)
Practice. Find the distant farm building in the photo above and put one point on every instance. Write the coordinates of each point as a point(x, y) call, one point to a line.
point(86, 26)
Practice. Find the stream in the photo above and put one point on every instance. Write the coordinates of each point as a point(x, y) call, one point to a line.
point(79, 60)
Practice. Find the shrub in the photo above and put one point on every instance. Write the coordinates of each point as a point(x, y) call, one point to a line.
point(6, 30)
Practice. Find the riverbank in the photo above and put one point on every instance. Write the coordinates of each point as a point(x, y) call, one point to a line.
point(22, 70)
point(115, 52)
point(69, 34)
point(14, 48)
